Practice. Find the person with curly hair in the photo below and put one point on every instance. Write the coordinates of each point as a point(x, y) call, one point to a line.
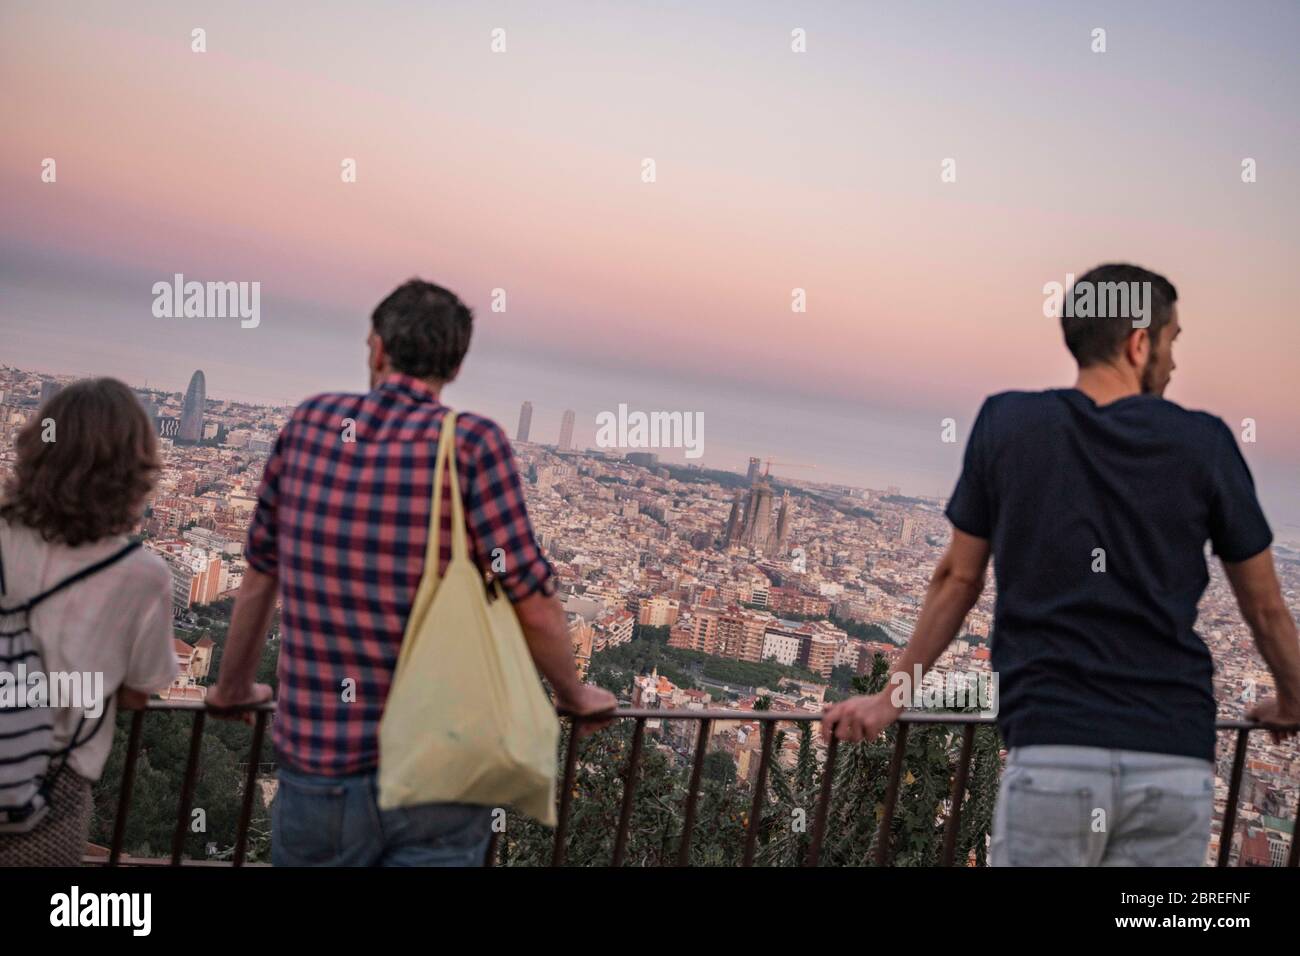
point(86, 463)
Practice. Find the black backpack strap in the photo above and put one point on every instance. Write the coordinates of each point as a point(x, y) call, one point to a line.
point(83, 574)
point(47, 785)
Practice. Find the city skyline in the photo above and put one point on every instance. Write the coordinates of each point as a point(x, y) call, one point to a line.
point(1287, 534)
point(51, 386)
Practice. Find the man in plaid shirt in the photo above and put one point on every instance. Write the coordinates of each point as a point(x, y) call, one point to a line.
point(340, 531)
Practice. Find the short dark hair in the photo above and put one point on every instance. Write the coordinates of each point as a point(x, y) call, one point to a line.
point(1093, 339)
point(92, 480)
point(425, 330)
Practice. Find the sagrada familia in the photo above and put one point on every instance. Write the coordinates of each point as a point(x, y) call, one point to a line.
point(751, 525)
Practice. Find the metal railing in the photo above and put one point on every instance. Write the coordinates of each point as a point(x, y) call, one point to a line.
point(261, 713)
point(768, 719)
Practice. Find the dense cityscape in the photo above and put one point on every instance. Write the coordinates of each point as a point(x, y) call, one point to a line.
point(737, 590)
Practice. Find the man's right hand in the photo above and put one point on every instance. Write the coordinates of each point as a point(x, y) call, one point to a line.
point(1273, 712)
point(586, 700)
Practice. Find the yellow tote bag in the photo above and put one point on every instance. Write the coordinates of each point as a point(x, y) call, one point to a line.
point(467, 719)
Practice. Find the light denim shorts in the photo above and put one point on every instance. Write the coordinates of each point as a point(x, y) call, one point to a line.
point(1090, 806)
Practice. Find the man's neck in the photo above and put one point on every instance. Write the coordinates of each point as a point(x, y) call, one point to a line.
point(1105, 384)
point(434, 385)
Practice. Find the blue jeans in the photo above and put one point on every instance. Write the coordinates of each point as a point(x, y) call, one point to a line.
point(336, 821)
point(1089, 806)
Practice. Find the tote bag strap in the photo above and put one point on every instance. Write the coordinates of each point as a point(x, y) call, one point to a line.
point(459, 549)
point(446, 459)
point(432, 554)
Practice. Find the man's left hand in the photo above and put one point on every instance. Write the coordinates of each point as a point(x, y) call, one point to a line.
point(222, 700)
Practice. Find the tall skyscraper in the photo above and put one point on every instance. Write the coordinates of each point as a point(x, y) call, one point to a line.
point(49, 389)
point(196, 397)
point(754, 464)
point(566, 431)
point(525, 421)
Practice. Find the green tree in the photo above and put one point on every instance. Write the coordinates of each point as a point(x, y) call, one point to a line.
point(719, 768)
point(656, 635)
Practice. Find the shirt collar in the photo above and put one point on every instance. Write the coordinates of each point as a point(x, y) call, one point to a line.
point(416, 388)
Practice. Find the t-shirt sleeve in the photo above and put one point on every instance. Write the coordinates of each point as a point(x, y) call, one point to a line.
point(501, 534)
point(971, 507)
point(1238, 528)
point(262, 551)
point(153, 665)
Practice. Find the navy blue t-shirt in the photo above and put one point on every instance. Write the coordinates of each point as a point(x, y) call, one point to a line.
point(1061, 488)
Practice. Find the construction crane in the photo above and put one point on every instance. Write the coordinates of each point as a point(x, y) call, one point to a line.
point(768, 463)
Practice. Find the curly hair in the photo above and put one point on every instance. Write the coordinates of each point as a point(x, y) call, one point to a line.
point(86, 464)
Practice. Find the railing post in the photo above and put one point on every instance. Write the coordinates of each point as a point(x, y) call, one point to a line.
point(953, 824)
point(823, 805)
point(629, 793)
point(250, 786)
point(566, 795)
point(128, 782)
point(1293, 856)
point(187, 787)
point(891, 795)
point(1234, 790)
point(756, 806)
point(692, 797)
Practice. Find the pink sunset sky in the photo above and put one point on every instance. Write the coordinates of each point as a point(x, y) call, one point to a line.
point(776, 170)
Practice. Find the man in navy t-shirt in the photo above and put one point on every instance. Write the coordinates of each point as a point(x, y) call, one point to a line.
point(1096, 503)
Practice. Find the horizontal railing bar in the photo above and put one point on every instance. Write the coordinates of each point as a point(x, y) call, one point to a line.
point(776, 716)
point(682, 713)
point(157, 703)
point(780, 716)
point(164, 861)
